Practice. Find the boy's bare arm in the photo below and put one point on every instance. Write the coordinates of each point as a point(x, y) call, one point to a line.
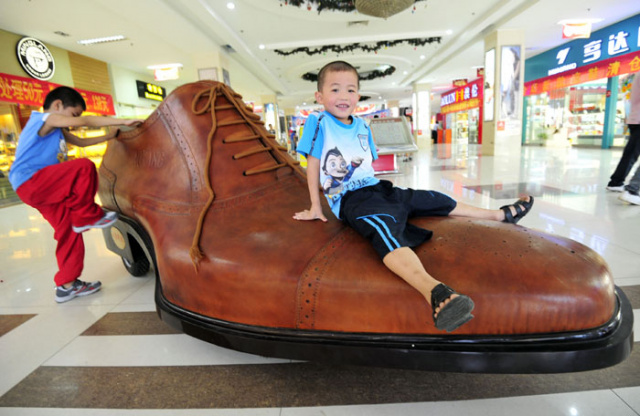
point(60, 120)
point(313, 180)
point(77, 141)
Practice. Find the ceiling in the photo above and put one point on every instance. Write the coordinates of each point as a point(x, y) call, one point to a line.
point(183, 31)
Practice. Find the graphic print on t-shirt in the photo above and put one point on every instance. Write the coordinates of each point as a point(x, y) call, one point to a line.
point(338, 171)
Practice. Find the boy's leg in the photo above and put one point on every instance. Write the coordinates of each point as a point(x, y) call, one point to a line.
point(405, 263)
point(65, 193)
point(465, 210)
point(450, 310)
point(73, 184)
point(70, 248)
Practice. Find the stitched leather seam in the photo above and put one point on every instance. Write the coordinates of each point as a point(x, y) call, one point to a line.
point(310, 282)
point(178, 136)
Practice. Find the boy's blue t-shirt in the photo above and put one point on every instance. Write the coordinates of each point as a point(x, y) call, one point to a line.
point(34, 152)
point(346, 153)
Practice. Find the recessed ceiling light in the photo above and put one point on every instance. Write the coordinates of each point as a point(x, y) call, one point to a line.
point(164, 66)
point(231, 6)
point(449, 32)
point(422, 56)
point(101, 40)
point(578, 21)
point(261, 46)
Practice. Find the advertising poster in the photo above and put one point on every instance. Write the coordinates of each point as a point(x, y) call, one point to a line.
point(489, 77)
point(510, 73)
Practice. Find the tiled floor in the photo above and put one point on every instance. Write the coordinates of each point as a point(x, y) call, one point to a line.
point(108, 354)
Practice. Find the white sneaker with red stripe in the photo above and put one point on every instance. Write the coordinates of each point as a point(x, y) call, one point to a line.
point(109, 218)
point(79, 288)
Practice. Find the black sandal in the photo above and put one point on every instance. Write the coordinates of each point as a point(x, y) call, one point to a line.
point(453, 314)
point(520, 213)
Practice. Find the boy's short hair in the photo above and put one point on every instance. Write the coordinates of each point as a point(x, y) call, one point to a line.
point(336, 66)
point(68, 96)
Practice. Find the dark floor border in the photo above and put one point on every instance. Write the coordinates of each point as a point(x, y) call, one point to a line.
point(288, 385)
point(10, 322)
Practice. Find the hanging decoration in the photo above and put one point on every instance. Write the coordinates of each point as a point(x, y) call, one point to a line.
point(382, 8)
point(336, 5)
point(365, 76)
point(361, 46)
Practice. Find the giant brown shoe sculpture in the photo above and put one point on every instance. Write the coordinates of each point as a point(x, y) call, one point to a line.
point(207, 196)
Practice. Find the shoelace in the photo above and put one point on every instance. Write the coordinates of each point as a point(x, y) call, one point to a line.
point(205, 101)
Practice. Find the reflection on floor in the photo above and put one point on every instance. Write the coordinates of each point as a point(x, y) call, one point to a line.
point(109, 354)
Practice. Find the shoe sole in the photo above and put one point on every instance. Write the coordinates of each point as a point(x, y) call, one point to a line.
point(455, 313)
point(621, 198)
point(88, 227)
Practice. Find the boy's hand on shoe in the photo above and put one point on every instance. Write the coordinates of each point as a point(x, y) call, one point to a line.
point(310, 214)
point(131, 122)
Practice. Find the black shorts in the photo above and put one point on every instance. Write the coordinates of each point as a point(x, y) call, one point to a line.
point(380, 213)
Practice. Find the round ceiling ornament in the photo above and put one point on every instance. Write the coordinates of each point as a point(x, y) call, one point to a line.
point(382, 8)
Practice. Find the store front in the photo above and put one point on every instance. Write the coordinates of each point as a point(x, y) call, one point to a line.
point(24, 83)
point(576, 94)
point(462, 113)
point(20, 96)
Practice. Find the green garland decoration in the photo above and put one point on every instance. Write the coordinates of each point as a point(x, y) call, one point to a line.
point(335, 5)
point(364, 47)
point(309, 76)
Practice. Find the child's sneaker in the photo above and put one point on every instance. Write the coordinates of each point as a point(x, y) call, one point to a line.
point(630, 198)
point(109, 218)
point(79, 288)
point(619, 188)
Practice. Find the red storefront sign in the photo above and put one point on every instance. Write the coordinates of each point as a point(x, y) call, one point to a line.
point(30, 91)
point(462, 98)
point(604, 69)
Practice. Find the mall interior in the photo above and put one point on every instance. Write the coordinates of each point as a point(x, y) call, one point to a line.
point(486, 103)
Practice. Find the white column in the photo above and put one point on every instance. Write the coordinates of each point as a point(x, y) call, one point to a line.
point(421, 114)
point(209, 66)
point(503, 94)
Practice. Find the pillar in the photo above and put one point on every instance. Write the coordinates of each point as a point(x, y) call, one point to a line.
point(394, 107)
point(503, 94)
point(611, 101)
point(270, 113)
point(211, 66)
point(421, 114)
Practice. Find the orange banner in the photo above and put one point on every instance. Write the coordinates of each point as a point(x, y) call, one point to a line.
point(30, 91)
point(604, 69)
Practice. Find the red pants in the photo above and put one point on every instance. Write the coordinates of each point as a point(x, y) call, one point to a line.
point(65, 196)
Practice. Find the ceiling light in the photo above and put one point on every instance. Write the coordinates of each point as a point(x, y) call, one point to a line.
point(231, 6)
point(422, 56)
point(261, 46)
point(101, 40)
point(449, 32)
point(577, 21)
point(164, 66)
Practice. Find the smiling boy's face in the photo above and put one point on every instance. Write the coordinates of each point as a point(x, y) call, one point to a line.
point(339, 94)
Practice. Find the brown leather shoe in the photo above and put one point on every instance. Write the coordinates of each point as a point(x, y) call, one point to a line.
point(214, 194)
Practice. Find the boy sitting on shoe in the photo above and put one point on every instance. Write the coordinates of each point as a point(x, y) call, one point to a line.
point(339, 149)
